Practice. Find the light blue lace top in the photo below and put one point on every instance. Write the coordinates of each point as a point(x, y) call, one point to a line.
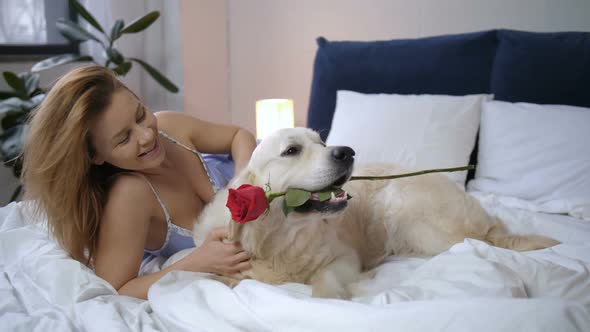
point(220, 169)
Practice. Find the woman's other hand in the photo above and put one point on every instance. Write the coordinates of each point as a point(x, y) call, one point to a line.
point(219, 257)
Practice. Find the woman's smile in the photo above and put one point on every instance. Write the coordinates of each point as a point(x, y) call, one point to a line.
point(153, 152)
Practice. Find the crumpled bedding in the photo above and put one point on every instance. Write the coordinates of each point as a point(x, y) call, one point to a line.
point(470, 287)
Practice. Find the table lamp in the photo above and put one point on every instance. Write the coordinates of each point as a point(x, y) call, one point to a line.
point(273, 114)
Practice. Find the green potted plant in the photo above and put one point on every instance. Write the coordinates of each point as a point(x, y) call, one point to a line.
point(16, 105)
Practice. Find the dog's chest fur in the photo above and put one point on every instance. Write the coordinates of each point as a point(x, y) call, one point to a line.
point(293, 251)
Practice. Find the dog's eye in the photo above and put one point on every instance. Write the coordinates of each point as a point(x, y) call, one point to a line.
point(291, 151)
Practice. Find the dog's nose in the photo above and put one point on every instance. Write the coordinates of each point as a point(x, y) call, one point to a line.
point(342, 153)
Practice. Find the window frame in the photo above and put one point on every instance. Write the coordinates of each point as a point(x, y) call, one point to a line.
point(24, 52)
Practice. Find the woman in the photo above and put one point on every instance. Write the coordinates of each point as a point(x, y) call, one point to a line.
point(118, 183)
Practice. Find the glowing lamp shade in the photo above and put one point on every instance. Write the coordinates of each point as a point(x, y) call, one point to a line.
point(273, 114)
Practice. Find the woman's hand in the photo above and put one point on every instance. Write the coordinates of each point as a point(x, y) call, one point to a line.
point(219, 257)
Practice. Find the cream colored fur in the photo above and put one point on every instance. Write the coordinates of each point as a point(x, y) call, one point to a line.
point(422, 215)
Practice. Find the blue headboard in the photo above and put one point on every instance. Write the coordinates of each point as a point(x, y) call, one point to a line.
point(542, 68)
point(515, 66)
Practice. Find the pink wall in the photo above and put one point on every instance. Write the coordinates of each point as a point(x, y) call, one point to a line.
point(205, 59)
point(239, 51)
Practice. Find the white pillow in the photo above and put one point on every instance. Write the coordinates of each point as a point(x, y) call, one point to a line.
point(535, 157)
point(416, 131)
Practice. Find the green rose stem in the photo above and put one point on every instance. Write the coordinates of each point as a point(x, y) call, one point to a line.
point(389, 177)
point(298, 197)
point(270, 196)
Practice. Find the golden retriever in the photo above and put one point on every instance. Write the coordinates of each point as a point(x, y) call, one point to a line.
point(328, 244)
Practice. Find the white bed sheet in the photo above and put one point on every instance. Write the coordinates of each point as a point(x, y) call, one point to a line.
point(471, 287)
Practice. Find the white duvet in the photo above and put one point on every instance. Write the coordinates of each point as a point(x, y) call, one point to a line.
point(471, 287)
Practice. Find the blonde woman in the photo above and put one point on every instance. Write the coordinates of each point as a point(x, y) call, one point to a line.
point(120, 184)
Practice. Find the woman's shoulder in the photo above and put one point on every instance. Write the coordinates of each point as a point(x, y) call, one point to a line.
point(130, 184)
point(176, 124)
point(130, 192)
point(172, 118)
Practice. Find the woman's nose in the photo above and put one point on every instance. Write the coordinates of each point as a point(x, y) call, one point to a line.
point(146, 134)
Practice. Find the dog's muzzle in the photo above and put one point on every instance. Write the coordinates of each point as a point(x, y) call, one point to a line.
point(343, 157)
point(343, 154)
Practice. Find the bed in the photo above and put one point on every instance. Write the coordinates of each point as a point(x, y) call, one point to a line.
point(481, 92)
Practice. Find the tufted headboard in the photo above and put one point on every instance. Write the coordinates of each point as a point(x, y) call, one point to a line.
point(515, 66)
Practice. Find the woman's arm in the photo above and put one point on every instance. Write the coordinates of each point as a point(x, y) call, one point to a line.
point(211, 137)
point(123, 235)
point(212, 256)
point(242, 146)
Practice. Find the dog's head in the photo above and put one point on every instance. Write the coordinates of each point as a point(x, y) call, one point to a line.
point(297, 158)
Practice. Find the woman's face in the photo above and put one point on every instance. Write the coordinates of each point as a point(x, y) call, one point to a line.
point(125, 135)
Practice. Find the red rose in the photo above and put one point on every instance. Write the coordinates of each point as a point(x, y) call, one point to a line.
point(246, 203)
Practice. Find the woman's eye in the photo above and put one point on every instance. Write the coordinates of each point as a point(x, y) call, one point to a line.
point(142, 116)
point(125, 139)
point(293, 150)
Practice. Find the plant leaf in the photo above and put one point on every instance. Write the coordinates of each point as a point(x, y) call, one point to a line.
point(123, 68)
point(36, 100)
point(287, 209)
point(297, 197)
point(59, 60)
point(116, 30)
point(31, 83)
point(165, 82)
point(73, 31)
point(115, 56)
point(11, 142)
point(13, 104)
point(15, 82)
point(142, 23)
point(16, 104)
point(324, 195)
point(85, 14)
point(12, 119)
point(7, 94)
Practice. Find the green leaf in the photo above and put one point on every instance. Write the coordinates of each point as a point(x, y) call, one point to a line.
point(13, 104)
point(85, 14)
point(141, 23)
point(11, 142)
point(31, 83)
point(59, 60)
point(73, 31)
point(165, 82)
point(287, 209)
point(7, 94)
point(123, 68)
point(297, 197)
point(36, 100)
point(16, 104)
point(115, 56)
point(116, 30)
point(324, 195)
point(15, 82)
point(12, 119)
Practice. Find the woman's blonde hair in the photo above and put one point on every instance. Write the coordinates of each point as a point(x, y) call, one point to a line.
point(58, 174)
